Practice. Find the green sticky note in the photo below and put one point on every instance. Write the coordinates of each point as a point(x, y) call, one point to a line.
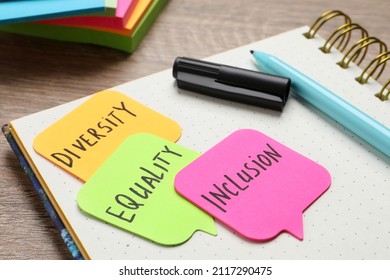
point(134, 191)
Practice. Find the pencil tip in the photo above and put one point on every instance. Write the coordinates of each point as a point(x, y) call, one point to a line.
point(252, 51)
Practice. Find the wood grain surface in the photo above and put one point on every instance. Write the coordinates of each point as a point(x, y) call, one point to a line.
point(36, 74)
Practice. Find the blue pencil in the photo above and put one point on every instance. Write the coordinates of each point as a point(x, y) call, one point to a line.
point(335, 107)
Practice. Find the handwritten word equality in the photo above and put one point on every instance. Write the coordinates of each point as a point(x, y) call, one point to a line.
point(93, 135)
point(234, 184)
point(143, 188)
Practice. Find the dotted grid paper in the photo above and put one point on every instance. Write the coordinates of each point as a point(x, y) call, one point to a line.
point(350, 221)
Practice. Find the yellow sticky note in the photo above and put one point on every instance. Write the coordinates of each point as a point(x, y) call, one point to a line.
point(83, 139)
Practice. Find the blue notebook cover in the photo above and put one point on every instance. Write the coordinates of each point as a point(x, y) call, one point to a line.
point(41, 193)
point(13, 11)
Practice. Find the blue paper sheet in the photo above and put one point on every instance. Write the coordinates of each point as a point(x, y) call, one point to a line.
point(13, 11)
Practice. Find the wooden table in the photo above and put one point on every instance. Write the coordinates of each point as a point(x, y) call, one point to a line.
point(36, 74)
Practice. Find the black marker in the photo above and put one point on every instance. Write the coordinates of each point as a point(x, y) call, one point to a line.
point(232, 83)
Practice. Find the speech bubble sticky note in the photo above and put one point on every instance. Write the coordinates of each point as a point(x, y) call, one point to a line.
point(254, 185)
point(134, 190)
point(83, 139)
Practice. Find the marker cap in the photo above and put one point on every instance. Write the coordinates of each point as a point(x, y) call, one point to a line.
point(232, 83)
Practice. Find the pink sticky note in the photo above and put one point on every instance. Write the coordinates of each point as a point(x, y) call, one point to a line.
point(254, 185)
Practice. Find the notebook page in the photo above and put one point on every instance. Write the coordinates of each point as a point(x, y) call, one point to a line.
point(347, 222)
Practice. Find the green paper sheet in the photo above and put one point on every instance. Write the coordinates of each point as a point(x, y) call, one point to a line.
point(133, 190)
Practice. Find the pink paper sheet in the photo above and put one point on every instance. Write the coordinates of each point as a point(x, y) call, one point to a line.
point(254, 185)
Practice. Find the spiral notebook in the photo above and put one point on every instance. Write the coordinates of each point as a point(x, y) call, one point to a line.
point(350, 221)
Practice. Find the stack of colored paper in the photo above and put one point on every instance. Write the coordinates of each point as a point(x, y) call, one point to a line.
point(118, 24)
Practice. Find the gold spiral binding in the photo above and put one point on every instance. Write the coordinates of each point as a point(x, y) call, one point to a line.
point(380, 61)
point(357, 52)
point(362, 45)
point(325, 17)
point(381, 95)
point(340, 33)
